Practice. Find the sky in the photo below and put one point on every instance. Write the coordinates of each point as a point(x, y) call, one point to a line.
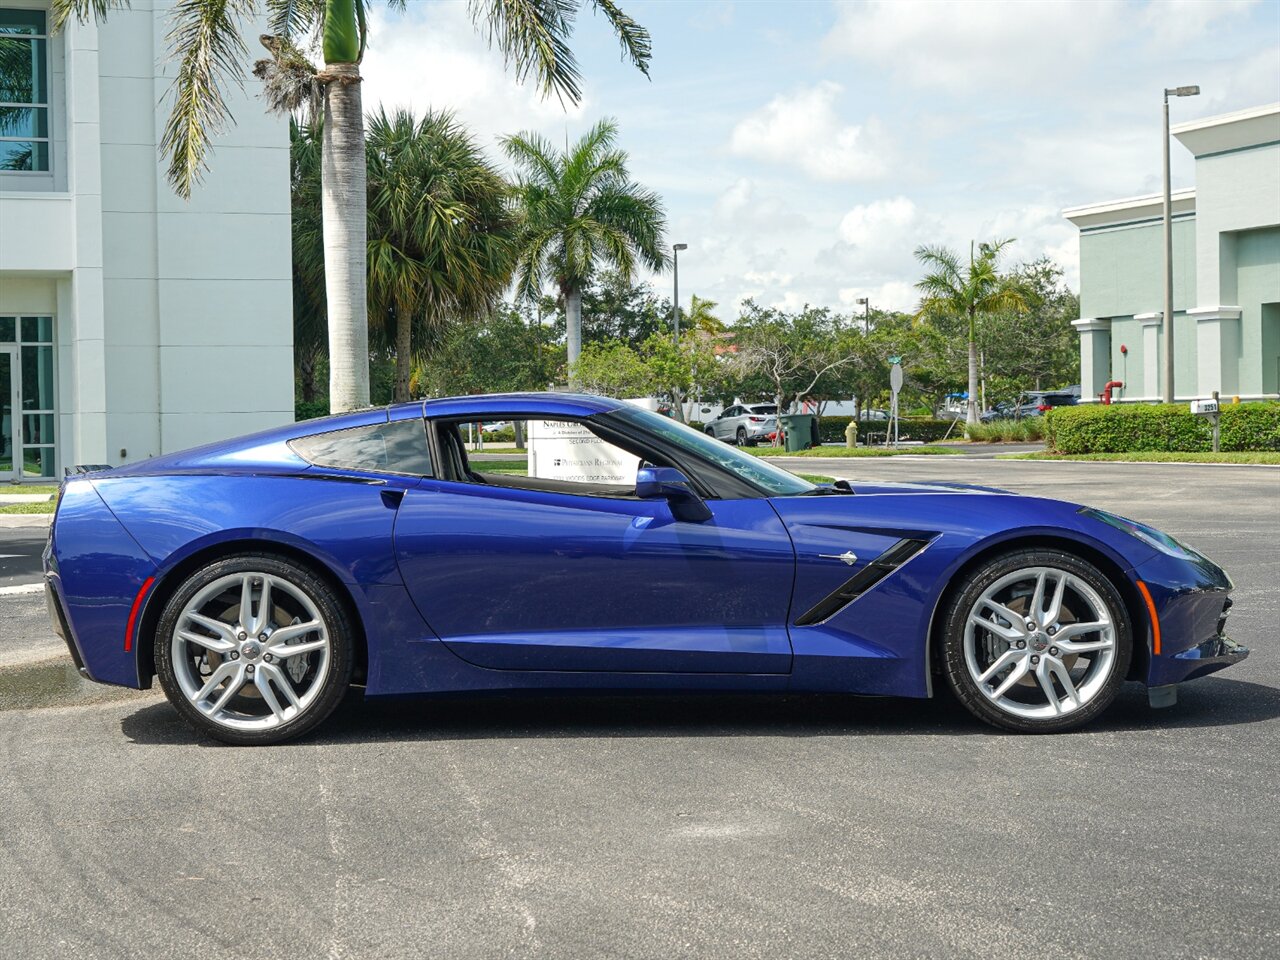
point(805, 148)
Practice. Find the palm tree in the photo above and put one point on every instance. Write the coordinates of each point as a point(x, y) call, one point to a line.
point(952, 290)
point(207, 39)
point(701, 316)
point(579, 212)
point(442, 242)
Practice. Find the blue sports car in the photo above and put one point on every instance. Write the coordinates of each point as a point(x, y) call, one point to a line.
point(260, 578)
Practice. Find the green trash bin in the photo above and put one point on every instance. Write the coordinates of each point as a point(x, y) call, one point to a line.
point(796, 430)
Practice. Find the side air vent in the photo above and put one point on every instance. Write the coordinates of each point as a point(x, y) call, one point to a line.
point(861, 582)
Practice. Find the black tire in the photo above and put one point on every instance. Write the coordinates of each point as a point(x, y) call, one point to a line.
point(971, 590)
point(333, 614)
point(742, 437)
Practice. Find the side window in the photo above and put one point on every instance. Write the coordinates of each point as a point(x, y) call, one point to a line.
point(397, 447)
point(560, 455)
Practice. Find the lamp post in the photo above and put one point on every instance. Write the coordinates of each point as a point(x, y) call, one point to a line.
point(1168, 244)
point(675, 291)
point(865, 302)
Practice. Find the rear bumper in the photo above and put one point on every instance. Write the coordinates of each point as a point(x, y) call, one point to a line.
point(61, 628)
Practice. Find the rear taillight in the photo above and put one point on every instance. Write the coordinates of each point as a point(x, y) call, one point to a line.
point(756, 419)
point(1043, 407)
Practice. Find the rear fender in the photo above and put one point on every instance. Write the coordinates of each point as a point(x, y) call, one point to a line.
point(98, 570)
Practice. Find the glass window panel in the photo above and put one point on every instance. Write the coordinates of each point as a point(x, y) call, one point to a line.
point(37, 461)
point(22, 21)
point(6, 413)
point(24, 71)
point(7, 327)
point(398, 447)
point(24, 121)
point(37, 428)
point(37, 329)
point(20, 155)
point(37, 378)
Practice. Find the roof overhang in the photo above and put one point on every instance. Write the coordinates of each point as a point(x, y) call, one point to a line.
point(1230, 131)
point(1131, 209)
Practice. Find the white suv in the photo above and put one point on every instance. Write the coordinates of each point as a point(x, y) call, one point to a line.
point(745, 424)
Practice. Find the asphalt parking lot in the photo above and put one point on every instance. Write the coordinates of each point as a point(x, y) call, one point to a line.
point(706, 826)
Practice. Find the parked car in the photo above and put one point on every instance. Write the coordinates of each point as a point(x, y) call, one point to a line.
point(259, 578)
point(1033, 404)
point(745, 424)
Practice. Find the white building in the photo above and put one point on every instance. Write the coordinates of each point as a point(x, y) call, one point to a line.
point(1226, 272)
point(132, 322)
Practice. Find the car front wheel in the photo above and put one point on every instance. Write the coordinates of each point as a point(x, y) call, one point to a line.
point(1037, 641)
point(254, 649)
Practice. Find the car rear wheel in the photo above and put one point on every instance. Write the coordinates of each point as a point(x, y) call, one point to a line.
point(1037, 641)
point(254, 649)
point(742, 437)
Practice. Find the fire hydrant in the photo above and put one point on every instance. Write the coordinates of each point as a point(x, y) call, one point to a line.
point(851, 434)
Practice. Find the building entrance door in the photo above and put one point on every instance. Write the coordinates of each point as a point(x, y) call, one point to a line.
point(10, 418)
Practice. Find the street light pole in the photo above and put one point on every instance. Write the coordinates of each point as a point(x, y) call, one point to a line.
point(1168, 245)
point(675, 291)
point(866, 313)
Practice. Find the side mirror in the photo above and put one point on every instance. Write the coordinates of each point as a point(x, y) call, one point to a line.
point(668, 483)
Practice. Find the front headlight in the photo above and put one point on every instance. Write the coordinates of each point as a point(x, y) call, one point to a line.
point(1149, 535)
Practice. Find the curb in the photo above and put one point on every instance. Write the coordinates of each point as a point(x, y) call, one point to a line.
point(18, 520)
point(21, 589)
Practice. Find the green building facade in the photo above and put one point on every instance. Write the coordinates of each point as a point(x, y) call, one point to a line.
point(1226, 272)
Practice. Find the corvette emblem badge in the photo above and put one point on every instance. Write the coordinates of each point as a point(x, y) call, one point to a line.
point(848, 557)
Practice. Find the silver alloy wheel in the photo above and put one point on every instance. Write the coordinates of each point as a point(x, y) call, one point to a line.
point(251, 633)
point(1040, 643)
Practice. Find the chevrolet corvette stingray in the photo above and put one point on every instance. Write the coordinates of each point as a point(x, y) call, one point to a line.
point(260, 578)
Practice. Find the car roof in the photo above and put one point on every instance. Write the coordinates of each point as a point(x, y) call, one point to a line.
point(493, 405)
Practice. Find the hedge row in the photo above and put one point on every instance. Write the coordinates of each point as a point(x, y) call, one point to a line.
point(831, 429)
point(1133, 428)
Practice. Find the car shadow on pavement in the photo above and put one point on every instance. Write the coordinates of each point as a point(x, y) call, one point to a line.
point(1210, 702)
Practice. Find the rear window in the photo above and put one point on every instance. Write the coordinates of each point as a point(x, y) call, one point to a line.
point(768, 408)
point(397, 447)
point(1057, 399)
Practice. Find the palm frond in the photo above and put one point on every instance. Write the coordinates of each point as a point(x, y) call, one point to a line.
point(205, 35)
point(83, 11)
point(288, 78)
point(637, 45)
point(533, 38)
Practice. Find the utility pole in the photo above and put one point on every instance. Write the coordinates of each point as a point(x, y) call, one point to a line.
point(675, 291)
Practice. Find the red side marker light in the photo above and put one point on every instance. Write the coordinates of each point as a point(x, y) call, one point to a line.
point(133, 613)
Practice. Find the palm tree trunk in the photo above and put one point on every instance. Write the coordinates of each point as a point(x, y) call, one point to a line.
point(345, 227)
point(404, 365)
point(573, 330)
point(973, 382)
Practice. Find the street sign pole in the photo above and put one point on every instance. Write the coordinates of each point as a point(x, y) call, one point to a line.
point(895, 385)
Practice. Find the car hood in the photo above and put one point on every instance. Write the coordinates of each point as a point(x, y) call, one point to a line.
point(894, 487)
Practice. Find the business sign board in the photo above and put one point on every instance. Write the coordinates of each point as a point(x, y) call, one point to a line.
point(569, 451)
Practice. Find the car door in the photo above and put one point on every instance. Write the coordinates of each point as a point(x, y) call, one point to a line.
point(724, 424)
point(540, 579)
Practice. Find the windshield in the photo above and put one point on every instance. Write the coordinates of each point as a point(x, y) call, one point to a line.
point(773, 480)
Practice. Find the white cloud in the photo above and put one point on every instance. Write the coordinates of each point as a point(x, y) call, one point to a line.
point(803, 129)
point(961, 44)
point(868, 223)
point(432, 57)
point(749, 204)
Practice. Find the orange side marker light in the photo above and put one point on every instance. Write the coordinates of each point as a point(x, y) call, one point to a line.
point(1155, 619)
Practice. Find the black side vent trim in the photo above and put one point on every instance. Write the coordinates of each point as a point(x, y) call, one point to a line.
point(861, 582)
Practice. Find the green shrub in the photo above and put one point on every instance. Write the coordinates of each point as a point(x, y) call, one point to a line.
point(1136, 428)
point(926, 430)
point(1025, 430)
point(309, 410)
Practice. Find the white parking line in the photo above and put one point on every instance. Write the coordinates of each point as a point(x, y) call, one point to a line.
point(21, 588)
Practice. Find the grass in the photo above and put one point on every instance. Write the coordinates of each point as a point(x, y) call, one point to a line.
point(44, 506)
point(1156, 456)
point(517, 467)
point(820, 452)
point(815, 478)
